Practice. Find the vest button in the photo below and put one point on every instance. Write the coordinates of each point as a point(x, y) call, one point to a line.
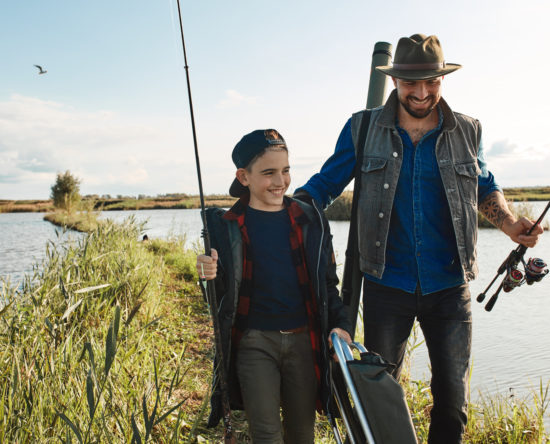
point(386, 186)
point(395, 154)
point(380, 215)
point(377, 243)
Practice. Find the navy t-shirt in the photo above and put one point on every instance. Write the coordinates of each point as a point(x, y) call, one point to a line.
point(276, 302)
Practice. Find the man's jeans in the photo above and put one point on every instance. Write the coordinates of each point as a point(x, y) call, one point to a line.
point(276, 370)
point(446, 321)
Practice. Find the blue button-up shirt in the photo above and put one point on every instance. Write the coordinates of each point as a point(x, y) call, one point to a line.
point(421, 247)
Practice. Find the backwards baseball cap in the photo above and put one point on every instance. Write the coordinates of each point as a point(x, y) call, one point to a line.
point(250, 146)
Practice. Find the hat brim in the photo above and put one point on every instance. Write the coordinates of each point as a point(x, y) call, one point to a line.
point(237, 189)
point(424, 74)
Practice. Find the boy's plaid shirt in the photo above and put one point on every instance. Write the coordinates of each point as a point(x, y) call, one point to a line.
point(297, 218)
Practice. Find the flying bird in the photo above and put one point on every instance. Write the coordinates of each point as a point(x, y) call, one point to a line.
point(42, 71)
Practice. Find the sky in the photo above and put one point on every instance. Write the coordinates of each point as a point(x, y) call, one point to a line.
point(113, 108)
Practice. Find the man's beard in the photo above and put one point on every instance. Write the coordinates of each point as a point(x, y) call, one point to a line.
point(419, 114)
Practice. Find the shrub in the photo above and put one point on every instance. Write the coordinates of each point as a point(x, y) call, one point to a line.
point(65, 192)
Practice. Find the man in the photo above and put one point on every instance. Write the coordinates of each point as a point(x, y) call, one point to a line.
point(423, 178)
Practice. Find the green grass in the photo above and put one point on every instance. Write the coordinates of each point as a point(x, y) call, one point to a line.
point(110, 339)
point(338, 211)
point(527, 193)
point(83, 221)
point(96, 345)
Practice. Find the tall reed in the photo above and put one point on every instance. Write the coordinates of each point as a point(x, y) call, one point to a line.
point(92, 345)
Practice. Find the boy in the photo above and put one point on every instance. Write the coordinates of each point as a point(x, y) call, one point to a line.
point(276, 280)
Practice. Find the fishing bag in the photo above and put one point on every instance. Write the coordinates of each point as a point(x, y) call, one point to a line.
point(376, 396)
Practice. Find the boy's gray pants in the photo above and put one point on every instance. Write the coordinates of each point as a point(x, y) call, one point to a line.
point(276, 370)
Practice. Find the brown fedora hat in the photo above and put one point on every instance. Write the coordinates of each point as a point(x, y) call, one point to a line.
point(418, 58)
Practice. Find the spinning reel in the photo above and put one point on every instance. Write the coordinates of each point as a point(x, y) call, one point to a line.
point(533, 270)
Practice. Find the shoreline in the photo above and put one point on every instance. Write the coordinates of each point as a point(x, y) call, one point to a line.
point(184, 201)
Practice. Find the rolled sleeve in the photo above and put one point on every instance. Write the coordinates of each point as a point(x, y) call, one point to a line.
point(336, 173)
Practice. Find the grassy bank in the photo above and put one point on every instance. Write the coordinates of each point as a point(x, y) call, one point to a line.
point(97, 346)
point(110, 340)
point(340, 208)
point(182, 201)
point(82, 221)
point(26, 206)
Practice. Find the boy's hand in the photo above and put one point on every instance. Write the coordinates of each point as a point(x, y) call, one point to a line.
point(207, 266)
point(342, 334)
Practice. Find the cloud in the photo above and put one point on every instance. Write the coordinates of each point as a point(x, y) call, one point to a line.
point(108, 151)
point(234, 99)
point(502, 148)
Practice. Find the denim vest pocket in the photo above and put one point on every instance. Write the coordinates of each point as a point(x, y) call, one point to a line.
point(371, 208)
point(372, 175)
point(466, 174)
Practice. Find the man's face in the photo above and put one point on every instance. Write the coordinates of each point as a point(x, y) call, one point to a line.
point(418, 97)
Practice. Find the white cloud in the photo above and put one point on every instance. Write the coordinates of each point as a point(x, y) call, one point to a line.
point(233, 99)
point(502, 148)
point(111, 153)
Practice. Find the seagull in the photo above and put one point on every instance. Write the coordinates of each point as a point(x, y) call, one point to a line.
point(42, 71)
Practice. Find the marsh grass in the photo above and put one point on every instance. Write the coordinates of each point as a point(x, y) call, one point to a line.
point(84, 220)
point(527, 193)
point(97, 346)
point(109, 340)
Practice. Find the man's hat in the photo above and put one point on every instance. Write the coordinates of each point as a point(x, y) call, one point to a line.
point(418, 58)
point(248, 148)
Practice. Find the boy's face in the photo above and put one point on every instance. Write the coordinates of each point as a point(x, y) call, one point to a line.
point(267, 179)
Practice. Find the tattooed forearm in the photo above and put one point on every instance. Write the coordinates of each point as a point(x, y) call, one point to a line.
point(495, 209)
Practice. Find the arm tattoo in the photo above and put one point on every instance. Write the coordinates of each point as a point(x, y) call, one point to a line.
point(493, 210)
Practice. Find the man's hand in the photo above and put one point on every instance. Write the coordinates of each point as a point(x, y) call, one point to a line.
point(495, 209)
point(207, 266)
point(304, 196)
point(518, 229)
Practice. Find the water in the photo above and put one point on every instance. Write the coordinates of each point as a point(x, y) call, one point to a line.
point(510, 344)
point(23, 243)
point(164, 223)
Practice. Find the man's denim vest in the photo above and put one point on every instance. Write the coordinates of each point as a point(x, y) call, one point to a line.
point(456, 153)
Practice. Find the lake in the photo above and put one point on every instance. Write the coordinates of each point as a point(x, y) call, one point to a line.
point(510, 344)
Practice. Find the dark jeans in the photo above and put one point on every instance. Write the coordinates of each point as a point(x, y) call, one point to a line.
point(276, 370)
point(446, 321)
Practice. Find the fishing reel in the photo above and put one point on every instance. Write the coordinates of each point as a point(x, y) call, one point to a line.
point(533, 271)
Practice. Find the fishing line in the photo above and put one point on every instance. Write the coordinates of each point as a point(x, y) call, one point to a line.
point(175, 30)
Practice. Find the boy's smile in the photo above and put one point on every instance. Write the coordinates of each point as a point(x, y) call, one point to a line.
point(268, 178)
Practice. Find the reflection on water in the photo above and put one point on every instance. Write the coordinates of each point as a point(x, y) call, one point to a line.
point(510, 344)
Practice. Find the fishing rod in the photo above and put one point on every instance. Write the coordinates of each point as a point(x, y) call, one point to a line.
point(533, 270)
point(352, 277)
point(229, 437)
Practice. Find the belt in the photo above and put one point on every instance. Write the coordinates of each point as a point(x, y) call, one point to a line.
point(294, 330)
